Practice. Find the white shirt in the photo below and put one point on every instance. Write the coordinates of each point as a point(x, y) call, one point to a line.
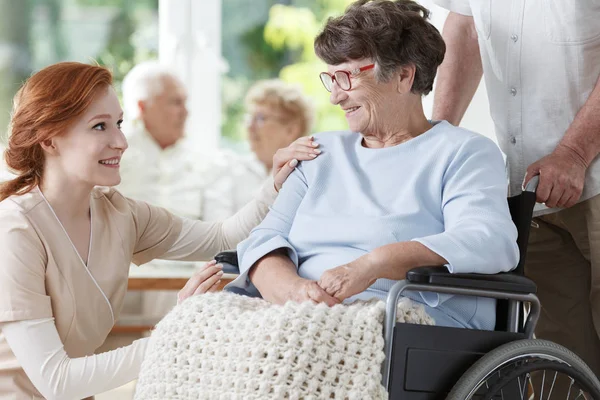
point(541, 61)
point(185, 180)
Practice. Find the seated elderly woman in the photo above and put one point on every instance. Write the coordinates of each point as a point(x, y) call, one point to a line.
point(277, 114)
point(395, 191)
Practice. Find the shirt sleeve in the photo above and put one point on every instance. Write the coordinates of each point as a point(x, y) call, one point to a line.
point(202, 240)
point(22, 270)
point(39, 350)
point(458, 6)
point(273, 232)
point(479, 235)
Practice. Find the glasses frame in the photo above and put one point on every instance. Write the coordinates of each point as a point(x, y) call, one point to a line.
point(350, 74)
point(260, 119)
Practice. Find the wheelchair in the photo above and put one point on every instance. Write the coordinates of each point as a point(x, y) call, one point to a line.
point(434, 362)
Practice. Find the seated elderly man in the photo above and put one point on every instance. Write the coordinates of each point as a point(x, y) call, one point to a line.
point(395, 191)
point(162, 166)
point(277, 114)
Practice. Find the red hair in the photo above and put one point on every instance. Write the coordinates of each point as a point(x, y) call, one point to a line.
point(47, 104)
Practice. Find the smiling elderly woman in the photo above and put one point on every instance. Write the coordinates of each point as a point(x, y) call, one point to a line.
point(394, 192)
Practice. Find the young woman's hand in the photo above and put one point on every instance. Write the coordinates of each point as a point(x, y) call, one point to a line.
point(206, 279)
point(286, 159)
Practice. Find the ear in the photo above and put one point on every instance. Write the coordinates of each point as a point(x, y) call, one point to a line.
point(141, 106)
point(49, 146)
point(405, 78)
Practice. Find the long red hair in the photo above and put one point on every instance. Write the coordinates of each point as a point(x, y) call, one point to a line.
point(46, 106)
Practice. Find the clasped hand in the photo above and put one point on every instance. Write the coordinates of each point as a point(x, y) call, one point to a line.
point(335, 285)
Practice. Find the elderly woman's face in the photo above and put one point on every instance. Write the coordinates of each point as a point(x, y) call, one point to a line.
point(269, 129)
point(365, 103)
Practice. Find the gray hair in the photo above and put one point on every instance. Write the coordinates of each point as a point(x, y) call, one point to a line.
point(143, 83)
point(287, 98)
point(391, 33)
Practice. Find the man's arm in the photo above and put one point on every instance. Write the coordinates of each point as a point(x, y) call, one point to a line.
point(583, 135)
point(460, 73)
point(562, 172)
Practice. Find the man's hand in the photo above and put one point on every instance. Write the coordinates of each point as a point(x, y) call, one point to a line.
point(286, 159)
point(348, 279)
point(562, 175)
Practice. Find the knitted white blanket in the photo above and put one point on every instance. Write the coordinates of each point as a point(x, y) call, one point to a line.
point(226, 346)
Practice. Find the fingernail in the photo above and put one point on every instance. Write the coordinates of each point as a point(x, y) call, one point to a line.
point(314, 144)
point(219, 265)
point(317, 151)
point(293, 163)
point(313, 155)
point(220, 273)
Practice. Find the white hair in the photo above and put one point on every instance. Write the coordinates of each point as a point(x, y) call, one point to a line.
point(143, 83)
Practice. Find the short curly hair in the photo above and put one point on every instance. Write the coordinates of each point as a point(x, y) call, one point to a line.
point(391, 33)
point(285, 97)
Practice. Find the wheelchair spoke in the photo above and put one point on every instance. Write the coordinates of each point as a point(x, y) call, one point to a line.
point(542, 387)
point(552, 386)
point(570, 387)
point(501, 391)
point(521, 388)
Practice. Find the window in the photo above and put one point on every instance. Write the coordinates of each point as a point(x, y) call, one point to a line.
point(37, 33)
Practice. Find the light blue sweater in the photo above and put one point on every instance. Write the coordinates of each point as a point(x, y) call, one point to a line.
point(445, 189)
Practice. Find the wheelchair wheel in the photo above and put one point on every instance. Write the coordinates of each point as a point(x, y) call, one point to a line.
point(528, 369)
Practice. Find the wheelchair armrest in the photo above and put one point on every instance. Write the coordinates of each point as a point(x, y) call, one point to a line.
point(503, 282)
point(229, 261)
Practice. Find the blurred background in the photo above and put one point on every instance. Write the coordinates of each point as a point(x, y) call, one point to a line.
point(218, 48)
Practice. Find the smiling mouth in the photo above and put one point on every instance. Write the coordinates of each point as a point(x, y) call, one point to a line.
point(113, 162)
point(351, 109)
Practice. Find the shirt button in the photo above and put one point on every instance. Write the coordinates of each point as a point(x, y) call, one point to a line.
point(513, 139)
point(513, 91)
point(514, 37)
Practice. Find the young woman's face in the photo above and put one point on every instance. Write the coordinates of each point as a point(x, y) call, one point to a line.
point(90, 151)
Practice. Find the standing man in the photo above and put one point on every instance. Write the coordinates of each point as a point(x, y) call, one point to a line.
point(541, 63)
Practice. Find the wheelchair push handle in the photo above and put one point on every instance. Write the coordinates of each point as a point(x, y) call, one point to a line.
point(532, 184)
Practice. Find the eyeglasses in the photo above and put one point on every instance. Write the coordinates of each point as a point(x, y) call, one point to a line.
point(260, 119)
point(342, 77)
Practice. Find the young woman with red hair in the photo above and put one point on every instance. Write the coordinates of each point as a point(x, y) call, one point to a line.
point(67, 239)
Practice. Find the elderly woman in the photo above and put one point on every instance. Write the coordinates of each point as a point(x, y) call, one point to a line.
point(395, 191)
point(278, 114)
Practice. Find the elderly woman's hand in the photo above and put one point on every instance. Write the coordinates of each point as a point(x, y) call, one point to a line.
point(297, 290)
point(307, 290)
point(348, 279)
point(286, 159)
point(206, 279)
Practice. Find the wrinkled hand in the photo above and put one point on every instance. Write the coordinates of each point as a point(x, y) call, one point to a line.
point(562, 175)
point(306, 290)
point(347, 280)
point(286, 159)
point(206, 279)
